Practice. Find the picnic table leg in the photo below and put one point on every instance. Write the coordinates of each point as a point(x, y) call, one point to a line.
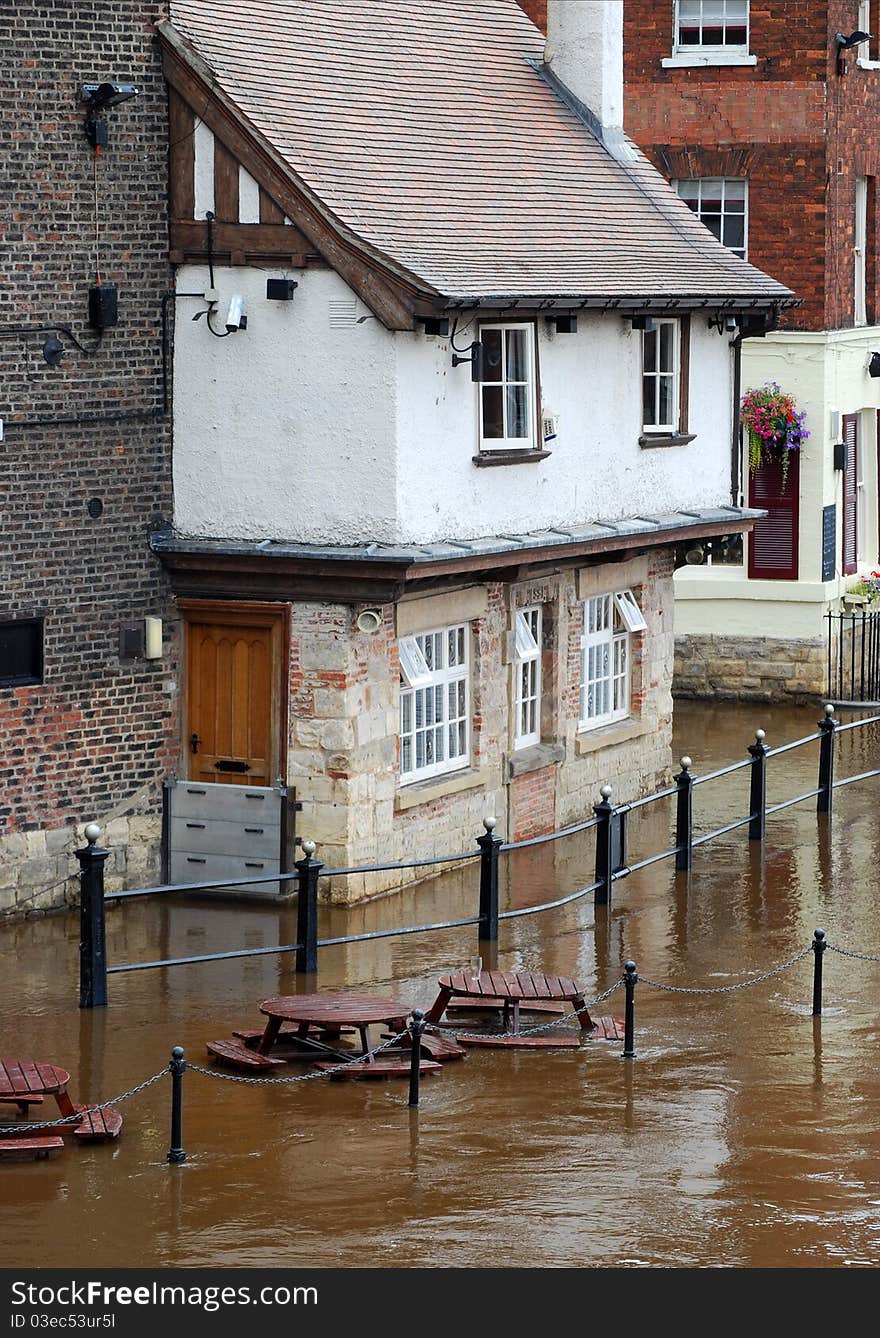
point(516, 1017)
point(270, 1035)
point(365, 1039)
point(64, 1103)
point(438, 1007)
point(587, 1023)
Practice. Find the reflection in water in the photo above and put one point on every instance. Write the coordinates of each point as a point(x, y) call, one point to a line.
point(744, 1132)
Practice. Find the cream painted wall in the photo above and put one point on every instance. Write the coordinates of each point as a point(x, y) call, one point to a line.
point(284, 430)
point(597, 470)
point(825, 372)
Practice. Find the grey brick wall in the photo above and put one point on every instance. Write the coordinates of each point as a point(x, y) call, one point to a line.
point(99, 729)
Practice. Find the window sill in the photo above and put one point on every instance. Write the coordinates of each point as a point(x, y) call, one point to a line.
point(534, 758)
point(608, 736)
point(650, 440)
point(513, 457)
point(706, 58)
point(865, 64)
point(414, 793)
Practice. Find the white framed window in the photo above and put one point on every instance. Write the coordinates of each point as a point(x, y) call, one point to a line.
point(722, 204)
point(861, 498)
point(860, 241)
point(610, 621)
point(507, 389)
point(661, 360)
point(527, 677)
point(711, 25)
point(434, 703)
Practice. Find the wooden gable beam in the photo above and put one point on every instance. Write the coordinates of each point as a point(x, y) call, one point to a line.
point(388, 297)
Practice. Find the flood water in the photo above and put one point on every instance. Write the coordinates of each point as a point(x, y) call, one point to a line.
point(744, 1134)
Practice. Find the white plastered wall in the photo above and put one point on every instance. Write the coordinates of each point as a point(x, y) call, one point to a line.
point(825, 372)
point(283, 430)
point(596, 471)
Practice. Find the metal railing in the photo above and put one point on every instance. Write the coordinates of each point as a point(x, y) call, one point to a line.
point(853, 651)
point(610, 823)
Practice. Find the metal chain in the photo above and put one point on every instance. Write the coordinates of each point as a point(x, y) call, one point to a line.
point(728, 989)
point(299, 1077)
point(861, 956)
point(77, 1116)
point(563, 1020)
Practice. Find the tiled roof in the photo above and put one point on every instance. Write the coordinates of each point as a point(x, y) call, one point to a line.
point(423, 128)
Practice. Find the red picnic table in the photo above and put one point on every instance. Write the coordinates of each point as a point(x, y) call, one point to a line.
point(25, 1083)
point(511, 991)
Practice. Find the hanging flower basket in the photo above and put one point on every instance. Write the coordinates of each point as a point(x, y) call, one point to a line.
point(774, 425)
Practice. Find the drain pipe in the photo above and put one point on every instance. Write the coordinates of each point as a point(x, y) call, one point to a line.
point(736, 437)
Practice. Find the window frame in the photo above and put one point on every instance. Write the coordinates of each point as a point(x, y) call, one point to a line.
point(531, 443)
point(523, 665)
point(687, 181)
point(443, 678)
point(614, 634)
point(681, 358)
point(860, 253)
point(38, 676)
point(710, 48)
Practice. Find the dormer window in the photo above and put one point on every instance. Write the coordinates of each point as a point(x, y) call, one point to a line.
point(711, 25)
point(507, 389)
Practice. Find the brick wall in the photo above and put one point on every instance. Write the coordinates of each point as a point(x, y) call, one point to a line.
point(93, 740)
point(796, 129)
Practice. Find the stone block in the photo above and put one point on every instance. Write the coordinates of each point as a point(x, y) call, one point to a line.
point(13, 848)
point(35, 844)
point(329, 653)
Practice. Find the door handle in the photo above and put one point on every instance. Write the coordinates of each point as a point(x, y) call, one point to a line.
point(194, 743)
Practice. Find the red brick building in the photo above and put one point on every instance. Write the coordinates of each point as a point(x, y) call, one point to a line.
point(770, 128)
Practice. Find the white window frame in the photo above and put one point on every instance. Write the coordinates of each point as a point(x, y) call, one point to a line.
point(699, 181)
point(706, 48)
point(654, 323)
point(610, 622)
point(434, 679)
point(861, 495)
point(507, 443)
point(528, 638)
point(869, 60)
point(860, 243)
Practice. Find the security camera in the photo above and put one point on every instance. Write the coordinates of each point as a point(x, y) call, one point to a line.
point(235, 317)
point(730, 323)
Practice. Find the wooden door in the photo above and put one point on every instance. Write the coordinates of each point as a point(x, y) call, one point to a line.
point(233, 714)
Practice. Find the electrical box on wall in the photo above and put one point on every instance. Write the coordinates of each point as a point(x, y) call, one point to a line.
point(280, 290)
point(103, 306)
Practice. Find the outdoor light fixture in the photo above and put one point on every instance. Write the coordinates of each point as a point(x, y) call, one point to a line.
point(98, 98)
point(874, 365)
point(52, 350)
point(477, 359)
point(846, 44)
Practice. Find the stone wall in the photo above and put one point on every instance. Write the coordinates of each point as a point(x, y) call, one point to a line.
point(344, 721)
point(749, 669)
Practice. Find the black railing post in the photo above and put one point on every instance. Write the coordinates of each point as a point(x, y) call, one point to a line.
point(630, 981)
point(604, 836)
point(819, 946)
point(307, 871)
point(416, 1027)
point(178, 1068)
point(758, 788)
point(825, 797)
point(92, 945)
point(490, 847)
point(684, 823)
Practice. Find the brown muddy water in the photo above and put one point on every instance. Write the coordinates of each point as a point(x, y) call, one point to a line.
point(744, 1134)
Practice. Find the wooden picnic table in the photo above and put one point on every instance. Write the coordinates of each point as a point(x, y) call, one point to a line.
point(511, 990)
point(328, 1014)
point(25, 1083)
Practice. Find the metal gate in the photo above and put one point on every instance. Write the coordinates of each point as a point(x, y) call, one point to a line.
point(853, 657)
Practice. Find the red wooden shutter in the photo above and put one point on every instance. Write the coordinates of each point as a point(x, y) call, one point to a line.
point(773, 543)
point(850, 493)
